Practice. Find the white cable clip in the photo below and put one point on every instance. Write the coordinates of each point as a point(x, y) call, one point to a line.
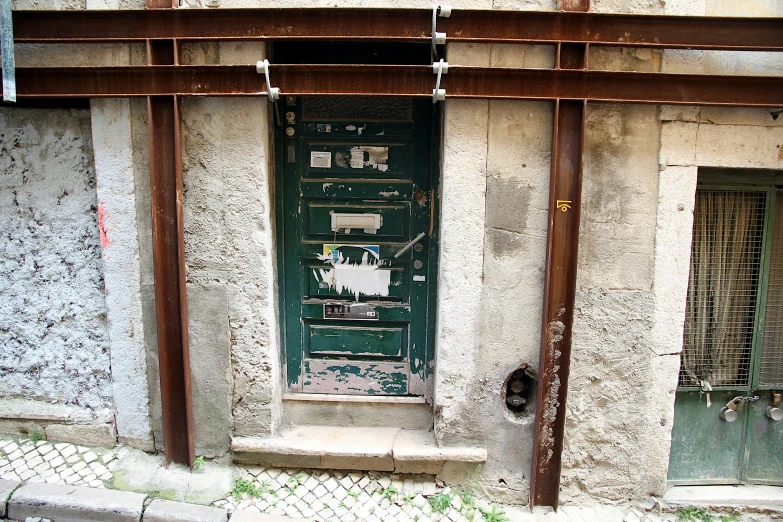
point(272, 92)
point(439, 68)
point(444, 11)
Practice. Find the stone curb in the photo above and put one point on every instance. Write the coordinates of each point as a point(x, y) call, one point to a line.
point(250, 516)
point(76, 504)
point(169, 511)
point(73, 504)
point(7, 487)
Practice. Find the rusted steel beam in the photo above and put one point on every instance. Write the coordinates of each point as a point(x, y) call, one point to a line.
point(695, 32)
point(168, 237)
point(392, 80)
point(565, 202)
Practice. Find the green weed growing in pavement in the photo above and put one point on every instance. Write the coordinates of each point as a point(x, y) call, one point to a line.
point(354, 495)
point(198, 462)
point(324, 506)
point(693, 514)
point(266, 487)
point(468, 507)
point(246, 487)
point(36, 436)
point(440, 502)
point(294, 482)
point(731, 517)
point(409, 498)
point(389, 492)
point(493, 515)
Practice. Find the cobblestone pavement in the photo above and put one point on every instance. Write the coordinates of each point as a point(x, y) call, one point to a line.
point(311, 494)
point(55, 462)
point(347, 497)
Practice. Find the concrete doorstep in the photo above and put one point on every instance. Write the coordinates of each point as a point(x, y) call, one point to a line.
point(76, 504)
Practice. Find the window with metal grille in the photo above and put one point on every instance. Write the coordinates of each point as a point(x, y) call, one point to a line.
point(771, 360)
point(733, 336)
point(726, 264)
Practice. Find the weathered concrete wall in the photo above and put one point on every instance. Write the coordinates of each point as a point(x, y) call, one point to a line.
point(496, 159)
point(112, 136)
point(228, 239)
point(620, 392)
point(53, 330)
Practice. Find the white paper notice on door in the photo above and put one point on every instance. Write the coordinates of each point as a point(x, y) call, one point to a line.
point(320, 160)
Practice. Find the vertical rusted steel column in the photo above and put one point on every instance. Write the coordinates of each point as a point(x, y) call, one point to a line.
point(168, 238)
point(565, 198)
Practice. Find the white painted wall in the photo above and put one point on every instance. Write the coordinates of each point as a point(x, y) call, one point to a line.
point(54, 342)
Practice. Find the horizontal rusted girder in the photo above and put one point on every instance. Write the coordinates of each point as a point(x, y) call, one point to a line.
point(392, 80)
point(400, 24)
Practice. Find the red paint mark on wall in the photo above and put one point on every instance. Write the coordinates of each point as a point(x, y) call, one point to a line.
point(102, 215)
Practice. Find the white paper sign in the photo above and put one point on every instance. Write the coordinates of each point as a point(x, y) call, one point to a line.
point(320, 160)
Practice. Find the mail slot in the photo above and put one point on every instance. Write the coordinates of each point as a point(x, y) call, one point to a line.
point(370, 223)
point(350, 311)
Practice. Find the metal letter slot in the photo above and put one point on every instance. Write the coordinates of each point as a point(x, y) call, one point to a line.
point(370, 223)
point(360, 311)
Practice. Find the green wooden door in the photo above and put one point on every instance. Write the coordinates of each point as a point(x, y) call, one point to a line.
point(356, 183)
point(733, 341)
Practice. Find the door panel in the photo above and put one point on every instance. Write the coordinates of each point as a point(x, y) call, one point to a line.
point(356, 377)
point(329, 282)
point(394, 220)
point(356, 158)
point(332, 339)
point(765, 458)
point(705, 448)
point(357, 319)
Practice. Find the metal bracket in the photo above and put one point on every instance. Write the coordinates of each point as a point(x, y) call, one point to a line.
point(439, 68)
point(7, 48)
point(272, 92)
point(444, 11)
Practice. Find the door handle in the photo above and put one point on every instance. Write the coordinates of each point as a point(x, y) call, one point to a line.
point(410, 245)
point(774, 413)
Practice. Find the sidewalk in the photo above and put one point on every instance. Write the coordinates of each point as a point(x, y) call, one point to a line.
point(297, 493)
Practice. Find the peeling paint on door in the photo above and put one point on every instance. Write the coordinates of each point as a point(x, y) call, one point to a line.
point(362, 278)
point(369, 378)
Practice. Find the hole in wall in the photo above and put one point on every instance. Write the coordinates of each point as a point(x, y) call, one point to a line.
point(519, 393)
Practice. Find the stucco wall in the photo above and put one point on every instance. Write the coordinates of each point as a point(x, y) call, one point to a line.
point(53, 330)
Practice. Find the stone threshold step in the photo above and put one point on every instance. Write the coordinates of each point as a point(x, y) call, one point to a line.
point(745, 496)
point(351, 448)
